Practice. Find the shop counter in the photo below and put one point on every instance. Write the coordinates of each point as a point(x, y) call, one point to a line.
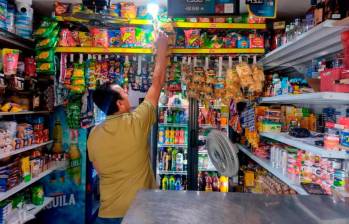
point(191, 207)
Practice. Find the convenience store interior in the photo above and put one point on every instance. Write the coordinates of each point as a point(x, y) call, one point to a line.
point(252, 122)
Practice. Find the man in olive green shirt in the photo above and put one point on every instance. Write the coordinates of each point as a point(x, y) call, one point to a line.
point(118, 147)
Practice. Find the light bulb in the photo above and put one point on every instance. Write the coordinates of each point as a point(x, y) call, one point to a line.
point(153, 9)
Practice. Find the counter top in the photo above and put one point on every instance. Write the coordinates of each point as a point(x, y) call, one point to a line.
point(167, 207)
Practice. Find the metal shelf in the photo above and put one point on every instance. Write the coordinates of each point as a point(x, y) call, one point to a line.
point(23, 113)
point(219, 25)
point(306, 144)
point(309, 98)
point(120, 21)
point(217, 51)
point(322, 40)
point(8, 39)
point(37, 208)
point(21, 186)
point(173, 125)
point(102, 50)
point(18, 151)
point(173, 145)
point(276, 172)
point(163, 172)
point(173, 107)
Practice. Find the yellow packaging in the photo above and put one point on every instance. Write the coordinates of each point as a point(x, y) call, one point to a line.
point(25, 167)
point(249, 178)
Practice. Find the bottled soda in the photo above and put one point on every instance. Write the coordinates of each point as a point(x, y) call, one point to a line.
point(165, 116)
point(164, 183)
point(179, 161)
point(169, 116)
point(178, 184)
point(161, 135)
point(215, 182)
point(185, 161)
point(172, 183)
point(176, 140)
point(167, 136)
point(224, 185)
point(208, 180)
point(172, 137)
point(161, 116)
point(174, 158)
point(169, 159)
point(201, 181)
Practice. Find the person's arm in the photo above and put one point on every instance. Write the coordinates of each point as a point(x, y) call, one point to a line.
point(153, 93)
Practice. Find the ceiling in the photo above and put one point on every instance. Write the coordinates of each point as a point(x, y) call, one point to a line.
point(286, 8)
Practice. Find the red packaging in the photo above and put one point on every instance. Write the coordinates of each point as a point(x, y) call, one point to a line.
point(99, 37)
point(66, 39)
point(329, 78)
point(30, 67)
point(256, 41)
point(10, 61)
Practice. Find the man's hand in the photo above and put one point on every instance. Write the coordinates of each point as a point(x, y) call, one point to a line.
point(160, 69)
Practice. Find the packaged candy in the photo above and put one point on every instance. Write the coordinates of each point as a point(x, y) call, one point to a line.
point(115, 10)
point(61, 8)
point(85, 39)
point(140, 36)
point(45, 56)
point(192, 38)
point(30, 67)
point(10, 61)
point(99, 37)
point(66, 39)
point(47, 43)
point(78, 79)
point(128, 36)
point(75, 36)
point(229, 41)
point(204, 20)
point(128, 10)
point(45, 67)
point(114, 38)
point(242, 42)
point(256, 41)
point(45, 29)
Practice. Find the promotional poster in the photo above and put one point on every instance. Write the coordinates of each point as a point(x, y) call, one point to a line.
point(66, 185)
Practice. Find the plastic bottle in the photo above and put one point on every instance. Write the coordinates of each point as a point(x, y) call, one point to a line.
point(172, 133)
point(182, 118)
point(208, 186)
point(178, 184)
point(185, 136)
point(178, 117)
point(161, 116)
point(167, 136)
point(172, 183)
point(185, 161)
point(169, 116)
point(179, 161)
point(223, 186)
point(215, 182)
point(169, 159)
point(164, 183)
point(201, 182)
point(181, 136)
point(161, 161)
point(174, 159)
point(176, 139)
point(165, 116)
point(161, 135)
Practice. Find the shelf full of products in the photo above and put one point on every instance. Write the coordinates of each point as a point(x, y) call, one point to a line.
point(24, 149)
point(324, 39)
point(306, 144)
point(277, 172)
point(11, 39)
point(309, 98)
point(23, 113)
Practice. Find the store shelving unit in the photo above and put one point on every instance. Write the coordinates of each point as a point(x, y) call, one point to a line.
point(306, 144)
point(36, 209)
point(276, 172)
point(176, 125)
point(23, 113)
point(163, 172)
point(124, 50)
point(219, 25)
point(18, 151)
point(70, 18)
point(102, 50)
point(12, 40)
point(173, 145)
point(322, 40)
point(309, 98)
point(21, 186)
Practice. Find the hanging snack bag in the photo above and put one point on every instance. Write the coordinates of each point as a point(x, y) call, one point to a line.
point(99, 37)
point(256, 41)
point(139, 36)
point(10, 61)
point(85, 39)
point(78, 79)
point(61, 8)
point(114, 38)
point(192, 38)
point(45, 29)
point(128, 10)
point(47, 43)
point(45, 67)
point(30, 67)
point(128, 36)
point(45, 56)
point(245, 74)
